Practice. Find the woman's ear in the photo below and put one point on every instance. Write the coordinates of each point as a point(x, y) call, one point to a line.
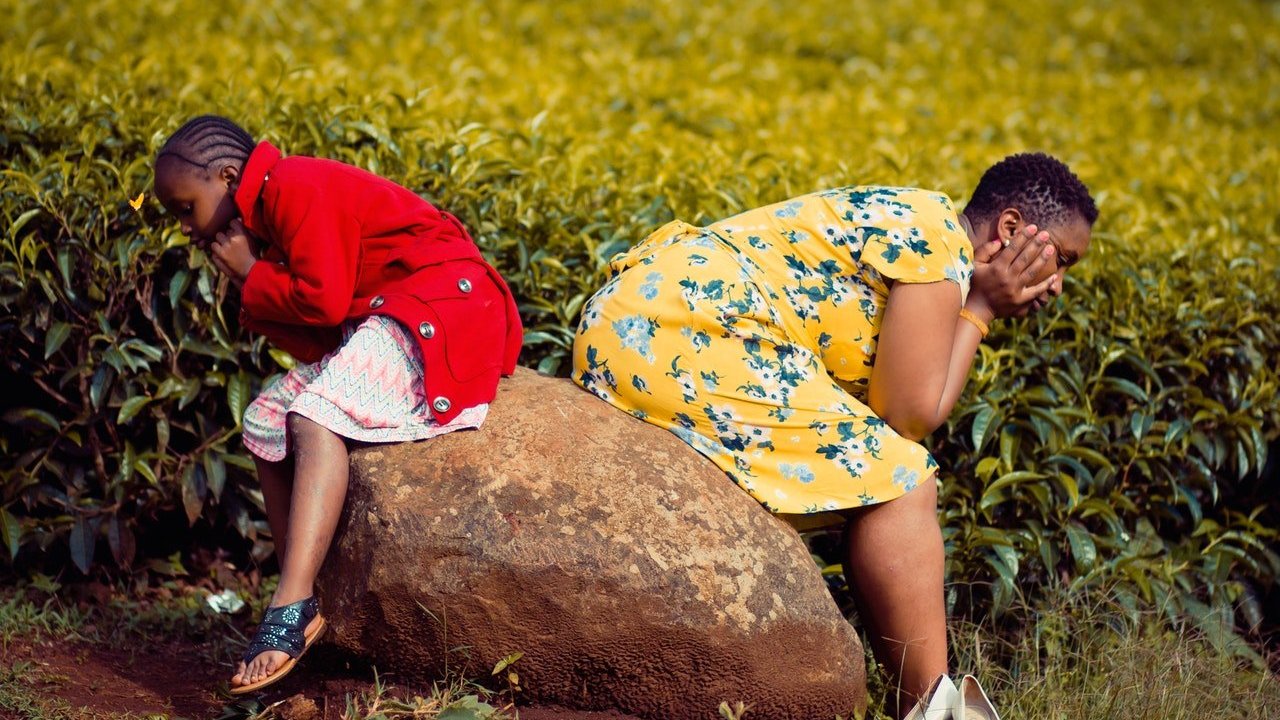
point(1007, 224)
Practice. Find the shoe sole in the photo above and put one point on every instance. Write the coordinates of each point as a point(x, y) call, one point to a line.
point(310, 638)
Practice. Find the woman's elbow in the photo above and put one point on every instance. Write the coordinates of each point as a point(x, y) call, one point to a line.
point(914, 431)
point(914, 426)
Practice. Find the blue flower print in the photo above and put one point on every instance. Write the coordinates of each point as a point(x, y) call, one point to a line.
point(789, 210)
point(649, 290)
point(710, 380)
point(592, 313)
point(636, 332)
point(597, 377)
point(799, 472)
point(683, 378)
point(638, 383)
point(699, 339)
point(905, 478)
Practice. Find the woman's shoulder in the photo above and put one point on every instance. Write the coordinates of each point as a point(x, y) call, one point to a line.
point(902, 203)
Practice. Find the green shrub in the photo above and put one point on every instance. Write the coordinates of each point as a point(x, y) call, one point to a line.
point(1121, 436)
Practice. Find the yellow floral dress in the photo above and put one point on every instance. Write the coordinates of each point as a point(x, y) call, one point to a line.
point(753, 339)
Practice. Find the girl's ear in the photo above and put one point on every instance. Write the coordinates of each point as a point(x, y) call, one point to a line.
point(230, 174)
point(1007, 224)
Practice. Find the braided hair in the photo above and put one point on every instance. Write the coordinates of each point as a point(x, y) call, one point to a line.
point(1041, 187)
point(206, 140)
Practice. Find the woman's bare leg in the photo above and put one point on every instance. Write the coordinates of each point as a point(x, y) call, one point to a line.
point(895, 566)
point(315, 505)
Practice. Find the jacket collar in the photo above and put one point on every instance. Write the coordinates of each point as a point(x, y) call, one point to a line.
point(252, 179)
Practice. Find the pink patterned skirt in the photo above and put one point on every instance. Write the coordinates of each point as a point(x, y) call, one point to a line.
point(369, 389)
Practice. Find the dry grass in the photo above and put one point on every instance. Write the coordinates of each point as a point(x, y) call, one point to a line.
point(1087, 657)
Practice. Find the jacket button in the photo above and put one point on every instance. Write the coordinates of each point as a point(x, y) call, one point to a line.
point(376, 302)
point(464, 285)
point(427, 330)
point(441, 404)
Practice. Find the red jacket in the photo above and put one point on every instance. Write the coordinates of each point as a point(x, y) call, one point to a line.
point(344, 244)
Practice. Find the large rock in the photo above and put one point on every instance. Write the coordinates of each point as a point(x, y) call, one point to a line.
point(628, 569)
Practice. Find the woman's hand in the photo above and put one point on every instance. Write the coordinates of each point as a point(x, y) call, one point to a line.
point(232, 252)
point(1007, 279)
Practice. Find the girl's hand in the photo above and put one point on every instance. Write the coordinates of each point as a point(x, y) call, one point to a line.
point(1006, 279)
point(232, 252)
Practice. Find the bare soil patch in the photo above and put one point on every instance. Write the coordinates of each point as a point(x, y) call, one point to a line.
point(174, 679)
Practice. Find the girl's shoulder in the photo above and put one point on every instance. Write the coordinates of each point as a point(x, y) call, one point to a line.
point(307, 170)
point(306, 177)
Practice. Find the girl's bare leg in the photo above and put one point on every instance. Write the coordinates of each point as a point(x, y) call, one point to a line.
point(276, 479)
point(315, 505)
point(895, 566)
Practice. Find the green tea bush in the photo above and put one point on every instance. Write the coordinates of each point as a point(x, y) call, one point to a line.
point(1121, 436)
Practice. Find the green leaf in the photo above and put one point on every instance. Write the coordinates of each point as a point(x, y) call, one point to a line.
point(121, 541)
point(82, 542)
point(10, 532)
point(1083, 550)
point(238, 396)
point(192, 492)
point(102, 377)
point(57, 335)
point(40, 416)
point(131, 408)
point(22, 220)
point(982, 427)
point(215, 471)
point(987, 467)
point(178, 287)
point(505, 662)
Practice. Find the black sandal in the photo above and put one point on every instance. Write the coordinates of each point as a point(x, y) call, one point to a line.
point(288, 629)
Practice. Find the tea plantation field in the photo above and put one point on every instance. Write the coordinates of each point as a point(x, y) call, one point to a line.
point(1119, 440)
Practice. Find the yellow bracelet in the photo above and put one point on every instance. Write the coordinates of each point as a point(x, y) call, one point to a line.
point(967, 314)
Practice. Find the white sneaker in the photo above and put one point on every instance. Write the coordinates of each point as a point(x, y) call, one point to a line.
point(937, 701)
point(971, 702)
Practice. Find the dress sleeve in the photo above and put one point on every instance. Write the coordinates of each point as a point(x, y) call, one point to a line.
point(919, 240)
point(321, 241)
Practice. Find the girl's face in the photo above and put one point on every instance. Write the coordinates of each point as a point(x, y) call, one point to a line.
point(202, 201)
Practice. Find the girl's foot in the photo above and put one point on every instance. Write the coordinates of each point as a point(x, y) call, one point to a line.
point(284, 634)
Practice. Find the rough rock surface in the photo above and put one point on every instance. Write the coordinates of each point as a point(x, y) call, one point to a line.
point(628, 569)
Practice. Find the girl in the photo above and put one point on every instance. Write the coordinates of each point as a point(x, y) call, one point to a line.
point(807, 347)
point(400, 327)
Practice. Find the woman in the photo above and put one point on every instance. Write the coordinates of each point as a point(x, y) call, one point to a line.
point(807, 347)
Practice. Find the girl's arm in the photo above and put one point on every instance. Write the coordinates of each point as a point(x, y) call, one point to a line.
point(926, 349)
point(322, 243)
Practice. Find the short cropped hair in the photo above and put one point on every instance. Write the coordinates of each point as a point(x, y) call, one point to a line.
point(207, 140)
point(1039, 186)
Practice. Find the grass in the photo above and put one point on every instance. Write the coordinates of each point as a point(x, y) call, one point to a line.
point(1087, 657)
point(1078, 657)
point(44, 611)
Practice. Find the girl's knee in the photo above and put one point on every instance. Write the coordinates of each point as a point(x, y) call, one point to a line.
point(300, 427)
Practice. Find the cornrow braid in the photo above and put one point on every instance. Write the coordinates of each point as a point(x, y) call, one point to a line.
point(1041, 187)
point(206, 140)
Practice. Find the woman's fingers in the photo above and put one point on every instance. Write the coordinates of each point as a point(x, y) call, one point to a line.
point(1028, 254)
point(1031, 292)
point(987, 251)
point(1032, 272)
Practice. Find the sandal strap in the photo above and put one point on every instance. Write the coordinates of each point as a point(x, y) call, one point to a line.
point(282, 629)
